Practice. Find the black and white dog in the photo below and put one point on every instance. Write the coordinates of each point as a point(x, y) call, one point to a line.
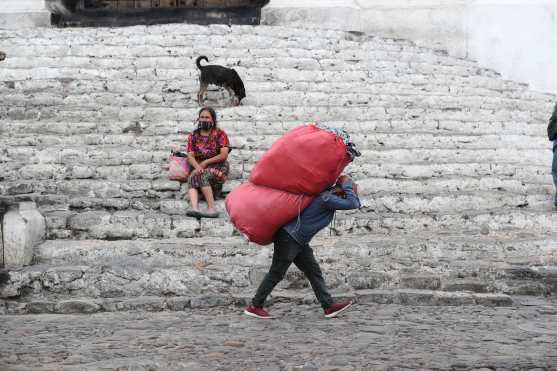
point(220, 76)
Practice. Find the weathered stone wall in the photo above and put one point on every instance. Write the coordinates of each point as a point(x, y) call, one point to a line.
point(88, 119)
point(514, 37)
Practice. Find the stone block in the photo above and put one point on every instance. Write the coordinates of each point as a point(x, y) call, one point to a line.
point(15, 307)
point(442, 298)
point(465, 285)
point(174, 207)
point(149, 304)
point(178, 303)
point(41, 307)
point(82, 172)
point(367, 280)
point(241, 300)
point(421, 282)
point(88, 220)
point(414, 297)
point(493, 300)
point(18, 188)
point(77, 306)
point(166, 185)
point(41, 171)
point(115, 203)
point(24, 228)
point(534, 288)
point(375, 296)
point(290, 296)
point(549, 277)
point(209, 301)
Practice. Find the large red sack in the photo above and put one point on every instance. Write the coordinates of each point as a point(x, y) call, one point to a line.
point(305, 160)
point(258, 212)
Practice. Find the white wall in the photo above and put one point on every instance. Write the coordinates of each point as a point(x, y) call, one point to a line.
point(15, 6)
point(518, 38)
point(23, 13)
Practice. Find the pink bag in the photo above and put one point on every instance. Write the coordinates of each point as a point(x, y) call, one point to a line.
point(178, 168)
point(258, 212)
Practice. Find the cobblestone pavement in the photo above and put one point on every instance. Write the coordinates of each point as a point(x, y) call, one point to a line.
point(368, 337)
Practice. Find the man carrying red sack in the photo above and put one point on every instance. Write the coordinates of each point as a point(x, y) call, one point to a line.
point(291, 245)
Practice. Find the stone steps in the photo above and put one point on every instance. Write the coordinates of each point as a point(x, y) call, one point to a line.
point(267, 113)
point(68, 132)
point(444, 203)
point(443, 89)
point(448, 149)
point(315, 95)
point(376, 149)
point(185, 303)
point(433, 118)
point(421, 269)
point(101, 150)
point(121, 180)
point(183, 58)
point(148, 208)
point(387, 95)
point(120, 149)
point(117, 206)
point(130, 42)
point(504, 188)
point(316, 112)
point(249, 65)
point(339, 88)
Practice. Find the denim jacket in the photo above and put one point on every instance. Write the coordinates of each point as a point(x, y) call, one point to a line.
point(320, 213)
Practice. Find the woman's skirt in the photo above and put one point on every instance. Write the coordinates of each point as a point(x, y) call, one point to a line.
point(214, 176)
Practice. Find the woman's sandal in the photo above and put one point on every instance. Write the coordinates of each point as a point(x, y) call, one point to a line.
point(212, 214)
point(193, 213)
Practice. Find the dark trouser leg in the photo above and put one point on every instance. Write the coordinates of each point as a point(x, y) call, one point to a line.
point(305, 261)
point(554, 169)
point(284, 253)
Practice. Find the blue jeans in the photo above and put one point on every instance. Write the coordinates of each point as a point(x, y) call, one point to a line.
point(554, 170)
point(288, 251)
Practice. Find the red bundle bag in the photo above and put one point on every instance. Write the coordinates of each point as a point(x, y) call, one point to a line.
point(305, 160)
point(258, 212)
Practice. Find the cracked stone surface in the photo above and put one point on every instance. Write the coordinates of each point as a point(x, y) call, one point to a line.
point(367, 337)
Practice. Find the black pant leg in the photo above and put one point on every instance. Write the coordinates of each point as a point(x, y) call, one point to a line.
point(285, 251)
point(305, 261)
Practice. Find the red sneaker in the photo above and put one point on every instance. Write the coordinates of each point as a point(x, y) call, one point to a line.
point(337, 308)
point(257, 312)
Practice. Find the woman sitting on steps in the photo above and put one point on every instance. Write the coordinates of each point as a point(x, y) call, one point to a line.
point(208, 148)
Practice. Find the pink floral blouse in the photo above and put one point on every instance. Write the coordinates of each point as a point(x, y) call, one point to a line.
point(205, 147)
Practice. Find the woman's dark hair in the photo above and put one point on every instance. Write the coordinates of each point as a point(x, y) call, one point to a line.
point(211, 112)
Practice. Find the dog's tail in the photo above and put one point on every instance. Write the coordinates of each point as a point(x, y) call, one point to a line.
point(198, 61)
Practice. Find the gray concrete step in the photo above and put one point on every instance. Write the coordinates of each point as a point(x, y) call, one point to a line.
point(125, 217)
point(446, 270)
point(186, 303)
